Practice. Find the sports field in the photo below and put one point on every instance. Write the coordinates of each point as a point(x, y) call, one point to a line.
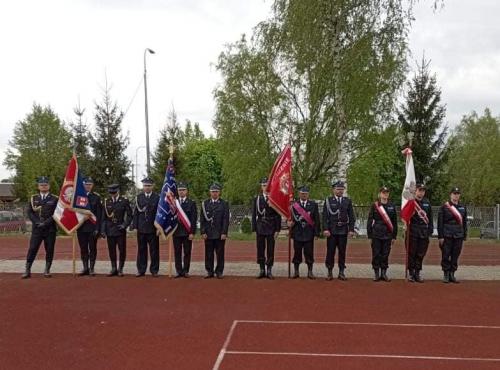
point(244, 323)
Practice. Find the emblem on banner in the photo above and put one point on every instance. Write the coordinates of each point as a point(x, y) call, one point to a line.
point(285, 183)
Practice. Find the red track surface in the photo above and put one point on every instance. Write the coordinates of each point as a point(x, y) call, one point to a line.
point(474, 253)
point(129, 323)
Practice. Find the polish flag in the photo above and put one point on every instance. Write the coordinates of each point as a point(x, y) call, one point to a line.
point(408, 203)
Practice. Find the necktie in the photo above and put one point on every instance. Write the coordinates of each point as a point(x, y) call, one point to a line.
point(43, 197)
point(339, 199)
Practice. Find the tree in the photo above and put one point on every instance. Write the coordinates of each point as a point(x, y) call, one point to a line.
point(170, 135)
point(202, 166)
point(111, 165)
point(81, 139)
point(474, 162)
point(40, 145)
point(322, 73)
point(192, 132)
point(380, 164)
point(423, 115)
point(197, 159)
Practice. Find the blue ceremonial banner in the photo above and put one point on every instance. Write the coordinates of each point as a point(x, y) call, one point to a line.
point(166, 216)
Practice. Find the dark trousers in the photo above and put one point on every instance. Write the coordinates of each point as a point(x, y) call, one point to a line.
point(182, 244)
point(416, 253)
point(143, 241)
point(49, 241)
point(308, 249)
point(120, 242)
point(262, 256)
point(214, 246)
point(332, 243)
point(88, 246)
point(450, 252)
point(381, 248)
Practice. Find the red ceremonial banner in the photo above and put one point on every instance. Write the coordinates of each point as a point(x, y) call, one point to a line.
point(280, 185)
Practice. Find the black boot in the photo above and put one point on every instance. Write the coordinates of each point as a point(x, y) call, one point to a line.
point(310, 274)
point(85, 270)
point(262, 273)
point(91, 268)
point(452, 277)
point(296, 271)
point(377, 274)
point(418, 278)
point(270, 272)
point(411, 276)
point(113, 271)
point(383, 275)
point(341, 274)
point(27, 271)
point(446, 277)
point(329, 277)
point(120, 269)
point(46, 273)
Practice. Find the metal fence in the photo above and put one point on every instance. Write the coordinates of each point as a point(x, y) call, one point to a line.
point(484, 222)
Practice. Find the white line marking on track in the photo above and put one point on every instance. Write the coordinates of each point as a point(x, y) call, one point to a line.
point(223, 350)
point(370, 324)
point(362, 355)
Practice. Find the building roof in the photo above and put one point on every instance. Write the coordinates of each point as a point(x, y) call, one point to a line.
point(7, 191)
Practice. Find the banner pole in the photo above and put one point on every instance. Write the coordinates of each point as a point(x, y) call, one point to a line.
point(170, 256)
point(74, 254)
point(407, 247)
point(289, 254)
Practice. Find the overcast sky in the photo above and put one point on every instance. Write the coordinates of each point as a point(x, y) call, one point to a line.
point(56, 52)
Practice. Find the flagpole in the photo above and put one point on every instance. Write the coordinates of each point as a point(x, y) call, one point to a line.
point(170, 256)
point(171, 150)
point(407, 247)
point(74, 254)
point(407, 233)
point(289, 252)
point(290, 202)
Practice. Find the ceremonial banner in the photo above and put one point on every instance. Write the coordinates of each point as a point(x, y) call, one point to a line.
point(166, 219)
point(280, 185)
point(408, 203)
point(73, 207)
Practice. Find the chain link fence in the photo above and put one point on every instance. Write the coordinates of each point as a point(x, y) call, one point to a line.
point(483, 221)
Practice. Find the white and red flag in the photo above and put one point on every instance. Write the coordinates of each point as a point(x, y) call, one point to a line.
point(73, 207)
point(408, 203)
point(280, 185)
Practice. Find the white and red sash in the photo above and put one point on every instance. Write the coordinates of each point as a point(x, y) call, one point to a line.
point(301, 211)
point(421, 213)
point(385, 217)
point(454, 212)
point(183, 218)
